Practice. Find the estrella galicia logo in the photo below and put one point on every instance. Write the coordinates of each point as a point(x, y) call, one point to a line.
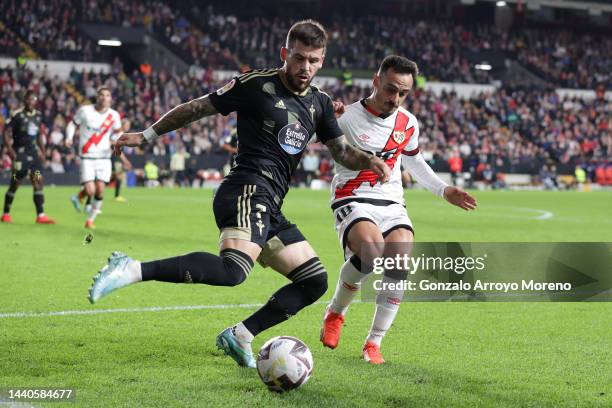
point(293, 138)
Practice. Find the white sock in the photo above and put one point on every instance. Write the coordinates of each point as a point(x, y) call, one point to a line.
point(242, 333)
point(95, 209)
point(387, 305)
point(135, 271)
point(347, 287)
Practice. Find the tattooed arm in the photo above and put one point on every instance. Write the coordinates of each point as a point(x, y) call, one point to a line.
point(184, 114)
point(354, 159)
point(176, 118)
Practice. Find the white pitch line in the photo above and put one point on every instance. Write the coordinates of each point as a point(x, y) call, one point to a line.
point(544, 215)
point(125, 310)
point(130, 310)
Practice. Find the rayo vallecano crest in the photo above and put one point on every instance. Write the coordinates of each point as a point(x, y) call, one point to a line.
point(398, 136)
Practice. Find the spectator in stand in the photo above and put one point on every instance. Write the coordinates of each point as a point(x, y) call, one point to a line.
point(177, 165)
point(455, 164)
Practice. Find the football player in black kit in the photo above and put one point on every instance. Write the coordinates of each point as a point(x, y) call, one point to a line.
point(26, 147)
point(278, 114)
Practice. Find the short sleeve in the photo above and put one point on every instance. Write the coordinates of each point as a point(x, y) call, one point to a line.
point(230, 98)
point(343, 123)
point(328, 128)
point(412, 148)
point(78, 116)
point(117, 125)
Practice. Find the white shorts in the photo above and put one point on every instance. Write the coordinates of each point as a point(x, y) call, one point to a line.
point(95, 169)
point(387, 217)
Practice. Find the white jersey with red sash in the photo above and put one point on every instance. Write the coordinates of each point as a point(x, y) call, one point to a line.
point(388, 137)
point(96, 129)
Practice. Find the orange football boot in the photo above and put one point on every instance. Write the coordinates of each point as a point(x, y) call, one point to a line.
point(332, 327)
point(43, 219)
point(371, 353)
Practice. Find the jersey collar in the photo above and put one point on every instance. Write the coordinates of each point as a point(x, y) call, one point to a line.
point(100, 112)
point(373, 111)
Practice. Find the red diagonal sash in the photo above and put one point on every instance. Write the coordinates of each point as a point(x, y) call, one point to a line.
point(96, 138)
point(392, 146)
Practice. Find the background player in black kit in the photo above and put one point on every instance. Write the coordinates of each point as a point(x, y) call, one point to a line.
point(230, 145)
point(278, 113)
point(26, 147)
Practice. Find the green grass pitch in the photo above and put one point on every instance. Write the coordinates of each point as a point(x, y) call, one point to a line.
point(438, 354)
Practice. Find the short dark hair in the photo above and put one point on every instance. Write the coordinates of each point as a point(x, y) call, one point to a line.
point(103, 88)
point(28, 93)
point(399, 64)
point(309, 32)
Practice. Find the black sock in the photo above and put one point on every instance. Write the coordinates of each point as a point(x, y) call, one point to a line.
point(39, 200)
point(117, 187)
point(309, 284)
point(229, 269)
point(88, 201)
point(8, 201)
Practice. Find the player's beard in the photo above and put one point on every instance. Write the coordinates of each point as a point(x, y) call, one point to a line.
point(295, 84)
point(390, 107)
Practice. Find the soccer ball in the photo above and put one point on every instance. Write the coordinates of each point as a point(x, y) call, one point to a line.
point(284, 363)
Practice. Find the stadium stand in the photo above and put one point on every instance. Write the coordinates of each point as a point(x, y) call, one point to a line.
point(512, 129)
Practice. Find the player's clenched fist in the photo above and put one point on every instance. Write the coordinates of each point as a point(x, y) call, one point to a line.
point(380, 168)
point(128, 139)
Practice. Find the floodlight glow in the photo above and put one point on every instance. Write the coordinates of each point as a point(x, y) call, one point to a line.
point(501, 4)
point(110, 43)
point(483, 67)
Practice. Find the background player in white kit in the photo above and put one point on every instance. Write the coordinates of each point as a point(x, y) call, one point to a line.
point(370, 213)
point(98, 124)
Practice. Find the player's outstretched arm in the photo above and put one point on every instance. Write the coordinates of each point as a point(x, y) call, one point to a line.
point(425, 176)
point(460, 198)
point(176, 118)
point(354, 159)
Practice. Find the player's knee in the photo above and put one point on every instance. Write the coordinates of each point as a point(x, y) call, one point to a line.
point(368, 246)
point(233, 275)
point(237, 266)
point(311, 277)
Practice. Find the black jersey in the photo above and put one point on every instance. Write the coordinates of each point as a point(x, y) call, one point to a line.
point(25, 127)
point(274, 125)
point(232, 140)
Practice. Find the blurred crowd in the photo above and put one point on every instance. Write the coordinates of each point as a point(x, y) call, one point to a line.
point(488, 134)
point(218, 41)
point(509, 131)
point(141, 99)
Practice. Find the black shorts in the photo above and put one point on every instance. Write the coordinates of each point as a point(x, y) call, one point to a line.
point(248, 212)
point(26, 163)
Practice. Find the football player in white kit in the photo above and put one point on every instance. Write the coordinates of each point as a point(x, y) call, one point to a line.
point(99, 126)
point(370, 213)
